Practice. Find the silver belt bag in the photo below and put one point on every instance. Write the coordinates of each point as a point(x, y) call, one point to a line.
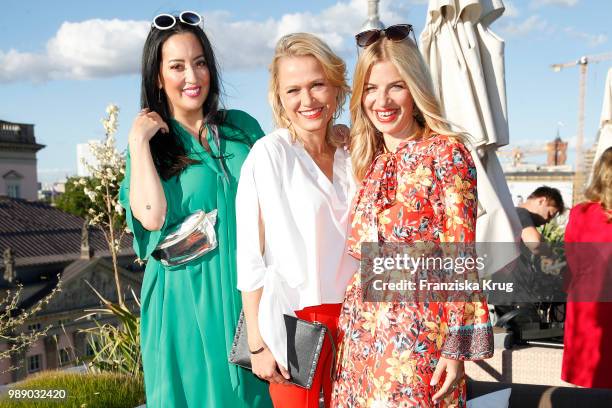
point(192, 238)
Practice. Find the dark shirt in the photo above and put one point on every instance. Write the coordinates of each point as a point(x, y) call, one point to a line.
point(524, 217)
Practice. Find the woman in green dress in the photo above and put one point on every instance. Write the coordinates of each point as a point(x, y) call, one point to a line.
point(185, 155)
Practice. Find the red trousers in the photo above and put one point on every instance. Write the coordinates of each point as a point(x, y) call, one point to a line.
point(292, 396)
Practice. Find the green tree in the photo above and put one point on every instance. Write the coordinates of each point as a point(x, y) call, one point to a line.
point(74, 200)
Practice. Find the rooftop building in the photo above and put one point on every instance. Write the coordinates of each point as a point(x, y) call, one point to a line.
point(38, 244)
point(18, 150)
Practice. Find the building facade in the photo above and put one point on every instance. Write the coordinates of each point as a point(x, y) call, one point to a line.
point(18, 150)
point(40, 244)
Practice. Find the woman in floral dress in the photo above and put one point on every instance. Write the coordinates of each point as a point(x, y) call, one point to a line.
point(418, 184)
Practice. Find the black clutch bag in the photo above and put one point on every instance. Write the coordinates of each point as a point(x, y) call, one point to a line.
point(304, 343)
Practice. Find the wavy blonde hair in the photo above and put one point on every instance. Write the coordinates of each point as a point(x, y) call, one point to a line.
point(302, 45)
point(600, 188)
point(365, 139)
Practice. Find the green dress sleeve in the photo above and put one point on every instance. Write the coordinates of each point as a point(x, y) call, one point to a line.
point(144, 241)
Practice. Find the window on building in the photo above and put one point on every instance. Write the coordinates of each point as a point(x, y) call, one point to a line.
point(34, 363)
point(13, 190)
point(12, 181)
point(64, 356)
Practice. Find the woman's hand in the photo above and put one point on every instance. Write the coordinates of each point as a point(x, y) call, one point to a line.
point(146, 125)
point(454, 373)
point(265, 367)
point(342, 132)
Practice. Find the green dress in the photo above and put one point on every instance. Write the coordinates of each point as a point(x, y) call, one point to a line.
point(189, 312)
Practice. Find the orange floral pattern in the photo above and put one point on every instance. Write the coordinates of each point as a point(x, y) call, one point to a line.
point(424, 192)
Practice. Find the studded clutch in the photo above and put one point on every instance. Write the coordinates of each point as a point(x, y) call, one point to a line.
point(304, 343)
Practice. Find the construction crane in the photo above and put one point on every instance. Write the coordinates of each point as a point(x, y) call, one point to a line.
point(555, 151)
point(517, 154)
point(583, 62)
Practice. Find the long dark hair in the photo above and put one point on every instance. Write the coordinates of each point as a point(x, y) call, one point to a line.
point(169, 154)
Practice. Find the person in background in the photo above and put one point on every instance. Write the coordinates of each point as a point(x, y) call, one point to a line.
point(292, 216)
point(541, 207)
point(587, 352)
point(529, 284)
point(185, 155)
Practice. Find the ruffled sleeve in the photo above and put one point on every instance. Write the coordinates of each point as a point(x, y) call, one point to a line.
point(470, 335)
point(144, 241)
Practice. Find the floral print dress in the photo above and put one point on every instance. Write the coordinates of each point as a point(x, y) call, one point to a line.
point(424, 192)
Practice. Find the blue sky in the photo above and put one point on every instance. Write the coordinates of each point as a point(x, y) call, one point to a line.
point(62, 62)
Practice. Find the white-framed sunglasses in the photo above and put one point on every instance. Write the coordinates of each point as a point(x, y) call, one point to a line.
point(167, 21)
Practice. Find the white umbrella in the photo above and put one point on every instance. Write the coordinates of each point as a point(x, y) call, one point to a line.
point(466, 60)
point(604, 139)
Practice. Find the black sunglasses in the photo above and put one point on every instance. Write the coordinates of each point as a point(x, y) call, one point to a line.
point(396, 32)
point(167, 21)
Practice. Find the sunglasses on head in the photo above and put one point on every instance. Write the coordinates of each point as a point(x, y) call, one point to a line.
point(396, 32)
point(167, 21)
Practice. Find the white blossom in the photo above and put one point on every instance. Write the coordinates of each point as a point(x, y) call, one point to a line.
point(107, 171)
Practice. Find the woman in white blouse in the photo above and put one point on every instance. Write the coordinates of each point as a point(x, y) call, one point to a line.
point(292, 211)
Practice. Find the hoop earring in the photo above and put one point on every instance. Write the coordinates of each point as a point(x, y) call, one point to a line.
point(159, 95)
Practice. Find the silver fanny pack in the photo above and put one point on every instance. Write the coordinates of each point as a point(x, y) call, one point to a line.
point(192, 238)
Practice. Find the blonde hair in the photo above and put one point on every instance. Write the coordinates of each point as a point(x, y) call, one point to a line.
point(365, 139)
point(600, 189)
point(302, 45)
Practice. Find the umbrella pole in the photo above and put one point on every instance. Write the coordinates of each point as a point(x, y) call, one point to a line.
point(579, 176)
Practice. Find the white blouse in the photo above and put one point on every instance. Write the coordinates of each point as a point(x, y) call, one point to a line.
point(305, 261)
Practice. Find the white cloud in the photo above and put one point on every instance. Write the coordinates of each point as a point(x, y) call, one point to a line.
point(532, 23)
point(103, 48)
point(98, 47)
point(511, 10)
point(245, 44)
point(92, 48)
point(15, 66)
point(542, 3)
point(592, 40)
